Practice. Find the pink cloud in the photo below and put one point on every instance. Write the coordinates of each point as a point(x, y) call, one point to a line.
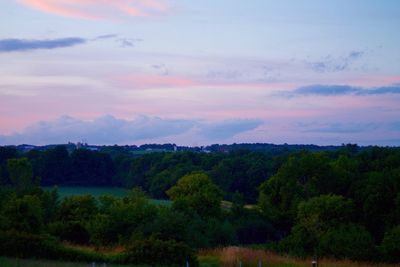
point(99, 9)
point(152, 81)
point(375, 80)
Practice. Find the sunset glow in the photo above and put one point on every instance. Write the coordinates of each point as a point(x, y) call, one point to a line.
point(325, 72)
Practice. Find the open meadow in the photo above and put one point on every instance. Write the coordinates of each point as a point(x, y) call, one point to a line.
point(96, 191)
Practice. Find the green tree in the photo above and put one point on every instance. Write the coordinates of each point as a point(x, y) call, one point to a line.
point(347, 241)
point(74, 216)
point(20, 171)
point(120, 219)
point(325, 210)
point(77, 208)
point(315, 217)
point(390, 246)
point(51, 204)
point(169, 224)
point(303, 176)
point(199, 192)
point(2, 179)
point(55, 165)
point(376, 197)
point(24, 214)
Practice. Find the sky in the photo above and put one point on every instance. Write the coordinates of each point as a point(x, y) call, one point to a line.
point(200, 72)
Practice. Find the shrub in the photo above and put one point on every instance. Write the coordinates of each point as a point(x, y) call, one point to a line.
point(25, 245)
point(390, 246)
point(23, 214)
point(73, 232)
point(348, 241)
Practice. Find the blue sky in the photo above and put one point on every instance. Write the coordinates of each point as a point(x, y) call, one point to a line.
point(199, 72)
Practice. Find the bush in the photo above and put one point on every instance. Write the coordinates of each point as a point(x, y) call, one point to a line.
point(348, 241)
point(149, 251)
point(22, 245)
point(390, 246)
point(344, 241)
point(25, 245)
point(73, 232)
point(23, 214)
point(157, 252)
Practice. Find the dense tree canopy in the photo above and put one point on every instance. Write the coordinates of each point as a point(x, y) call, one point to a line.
point(342, 203)
point(199, 192)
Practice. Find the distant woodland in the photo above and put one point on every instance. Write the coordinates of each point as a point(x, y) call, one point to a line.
point(340, 202)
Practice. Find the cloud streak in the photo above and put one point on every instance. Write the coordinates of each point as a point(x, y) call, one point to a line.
point(17, 45)
point(14, 45)
point(106, 36)
point(337, 90)
point(343, 128)
point(99, 9)
point(139, 82)
point(331, 64)
point(228, 128)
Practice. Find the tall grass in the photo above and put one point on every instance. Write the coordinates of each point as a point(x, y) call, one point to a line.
point(12, 262)
point(233, 256)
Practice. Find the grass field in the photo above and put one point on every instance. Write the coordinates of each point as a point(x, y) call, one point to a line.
point(220, 257)
point(9, 262)
point(232, 256)
point(67, 191)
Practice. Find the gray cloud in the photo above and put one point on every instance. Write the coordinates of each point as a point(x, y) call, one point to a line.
point(161, 69)
point(332, 64)
point(380, 90)
point(20, 45)
point(106, 36)
point(345, 128)
point(110, 130)
point(103, 130)
point(245, 72)
point(325, 90)
point(128, 42)
point(334, 90)
point(225, 74)
point(14, 45)
point(349, 129)
point(228, 128)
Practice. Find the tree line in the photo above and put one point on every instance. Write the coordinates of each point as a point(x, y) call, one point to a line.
point(239, 171)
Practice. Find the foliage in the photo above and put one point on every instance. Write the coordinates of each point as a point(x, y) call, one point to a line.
point(199, 192)
point(24, 214)
point(347, 241)
point(390, 246)
point(299, 178)
point(25, 245)
point(77, 208)
point(324, 228)
point(20, 172)
point(343, 203)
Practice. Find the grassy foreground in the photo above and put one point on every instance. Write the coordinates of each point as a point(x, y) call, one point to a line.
point(221, 257)
point(10, 262)
point(232, 256)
